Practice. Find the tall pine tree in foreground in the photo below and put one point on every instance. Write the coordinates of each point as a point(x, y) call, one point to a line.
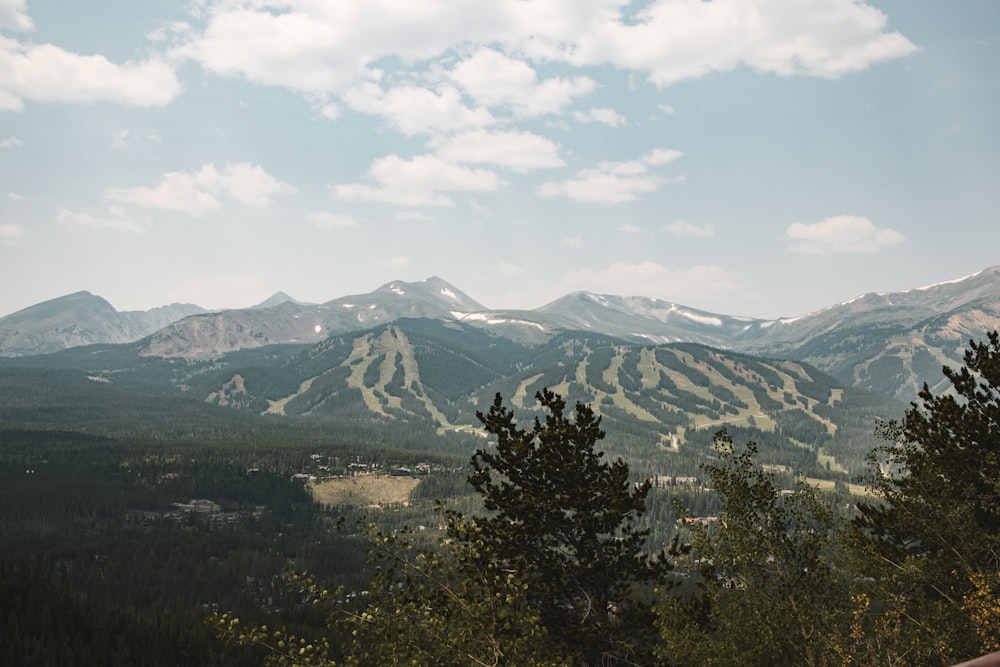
point(565, 520)
point(554, 574)
point(932, 541)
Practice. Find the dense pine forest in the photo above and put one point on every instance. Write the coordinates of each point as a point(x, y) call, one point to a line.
point(126, 521)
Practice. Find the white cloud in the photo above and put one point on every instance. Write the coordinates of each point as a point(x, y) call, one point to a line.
point(393, 262)
point(325, 49)
point(47, 73)
point(419, 181)
point(683, 229)
point(600, 187)
point(631, 229)
point(613, 182)
point(480, 209)
point(412, 216)
point(506, 269)
point(494, 79)
point(114, 220)
point(572, 242)
point(14, 15)
point(328, 221)
point(417, 110)
point(609, 117)
point(10, 233)
point(518, 151)
point(329, 110)
point(11, 142)
point(661, 156)
point(199, 192)
point(169, 30)
point(841, 234)
point(694, 286)
point(667, 109)
point(176, 191)
point(121, 140)
point(124, 138)
point(310, 49)
point(13, 196)
point(672, 41)
point(246, 183)
point(218, 292)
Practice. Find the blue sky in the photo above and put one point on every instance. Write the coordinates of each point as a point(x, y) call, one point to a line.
point(763, 158)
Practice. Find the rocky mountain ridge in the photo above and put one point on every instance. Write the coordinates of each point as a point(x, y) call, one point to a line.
point(889, 343)
point(79, 319)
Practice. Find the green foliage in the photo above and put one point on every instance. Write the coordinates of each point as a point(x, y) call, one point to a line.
point(449, 606)
point(47, 622)
point(598, 362)
point(883, 374)
point(98, 566)
point(800, 425)
point(446, 605)
point(765, 586)
point(553, 574)
point(935, 531)
point(774, 447)
point(564, 520)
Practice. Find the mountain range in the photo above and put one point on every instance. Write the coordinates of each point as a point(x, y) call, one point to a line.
point(78, 319)
point(890, 343)
point(409, 364)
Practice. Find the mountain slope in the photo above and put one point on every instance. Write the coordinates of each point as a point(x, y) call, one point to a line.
point(80, 319)
point(417, 383)
point(889, 343)
point(654, 399)
point(214, 334)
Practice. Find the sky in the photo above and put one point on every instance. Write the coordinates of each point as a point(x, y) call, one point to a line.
point(760, 158)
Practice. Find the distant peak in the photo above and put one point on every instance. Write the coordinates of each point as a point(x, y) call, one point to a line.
point(275, 299)
point(82, 296)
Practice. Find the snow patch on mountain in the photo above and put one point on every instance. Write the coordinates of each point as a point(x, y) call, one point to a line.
point(488, 319)
point(701, 319)
point(946, 282)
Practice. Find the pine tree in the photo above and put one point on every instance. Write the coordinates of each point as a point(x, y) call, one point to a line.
point(565, 521)
point(933, 539)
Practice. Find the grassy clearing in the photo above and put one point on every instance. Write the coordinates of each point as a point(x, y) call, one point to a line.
point(857, 490)
point(829, 461)
point(278, 407)
point(823, 484)
point(365, 490)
